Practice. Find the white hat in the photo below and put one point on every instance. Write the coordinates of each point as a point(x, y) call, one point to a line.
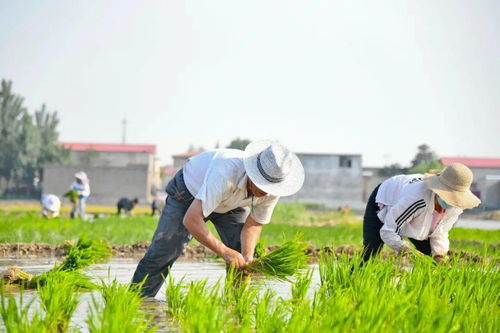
point(82, 176)
point(273, 168)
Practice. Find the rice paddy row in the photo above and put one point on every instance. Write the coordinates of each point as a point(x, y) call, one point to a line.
point(377, 296)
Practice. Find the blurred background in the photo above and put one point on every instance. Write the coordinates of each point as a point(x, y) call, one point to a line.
point(126, 91)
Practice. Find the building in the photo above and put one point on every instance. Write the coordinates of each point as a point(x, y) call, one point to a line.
point(331, 179)
point(486, 183)
point(114, 170)
point(334, 180)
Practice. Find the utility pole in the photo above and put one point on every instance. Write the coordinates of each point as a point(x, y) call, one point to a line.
point(124, 130)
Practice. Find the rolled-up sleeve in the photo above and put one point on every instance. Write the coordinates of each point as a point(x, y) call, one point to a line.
point(263, 212)
point(399, 214)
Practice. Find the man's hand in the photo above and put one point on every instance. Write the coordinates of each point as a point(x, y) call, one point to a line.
point(248, 259)
point(233, 258)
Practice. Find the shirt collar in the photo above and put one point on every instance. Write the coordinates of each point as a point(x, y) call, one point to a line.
point(242, 184)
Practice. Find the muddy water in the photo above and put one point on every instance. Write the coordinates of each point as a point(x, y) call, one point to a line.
point(123, 269)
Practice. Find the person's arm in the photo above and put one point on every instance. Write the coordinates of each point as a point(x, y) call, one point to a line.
point(249, 237)
point(194, 222)
point(399, 214)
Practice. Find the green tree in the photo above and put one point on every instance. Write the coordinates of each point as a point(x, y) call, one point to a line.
point(27, 143)
point(392, 170)
point(12, 113)
point(239, 144)
point(424, 156)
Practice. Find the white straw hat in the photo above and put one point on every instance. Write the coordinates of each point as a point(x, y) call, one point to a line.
point(453, 186)
point(273, 168)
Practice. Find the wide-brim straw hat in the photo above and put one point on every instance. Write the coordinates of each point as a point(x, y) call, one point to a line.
point(273, 168)
point(453, 186)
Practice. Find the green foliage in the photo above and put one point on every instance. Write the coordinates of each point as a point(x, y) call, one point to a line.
point(424, 161)
point(72, 195)
point(26, 143)
point(238, 143)
point(392, 170)
point(434, 166)
point(84, 253)
point(424, 156)
point(118, 310)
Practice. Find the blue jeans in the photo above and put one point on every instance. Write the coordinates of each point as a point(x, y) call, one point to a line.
point(171, 236)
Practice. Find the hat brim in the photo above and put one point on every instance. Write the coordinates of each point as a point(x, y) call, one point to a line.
point(290, 185)
point(460, 199)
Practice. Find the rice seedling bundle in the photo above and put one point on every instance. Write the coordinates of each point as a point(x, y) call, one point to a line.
point(283, 262)
point(84, 253)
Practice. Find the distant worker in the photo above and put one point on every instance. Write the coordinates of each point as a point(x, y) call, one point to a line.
point(50, 205)
point(81, 186)
point(157, 204)
point(127, 205)
point(219, 185)
point(420, 207)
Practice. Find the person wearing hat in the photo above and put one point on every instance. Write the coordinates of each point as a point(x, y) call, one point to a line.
point(422, 208)
point(81, 186)
point(236, 190)
point(50, 205)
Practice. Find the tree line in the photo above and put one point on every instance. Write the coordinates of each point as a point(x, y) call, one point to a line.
point(27, 142)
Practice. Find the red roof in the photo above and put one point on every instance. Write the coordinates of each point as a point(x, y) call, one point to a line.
point(109, 147)
point(472, 162)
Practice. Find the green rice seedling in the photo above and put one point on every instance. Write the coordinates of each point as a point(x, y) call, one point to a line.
point(238, 296)
point(202, 310)
point(16, 313)
point(118, 310)
point(72, 195)
point(59, 299)
point(270, 314)
point(301, 286)
point(174, 296)
point(282, 262)
point(84, 253)
point(78, 279)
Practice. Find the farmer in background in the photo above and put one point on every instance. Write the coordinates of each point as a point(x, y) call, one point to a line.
point(216, 185)
point(50, 205)
point(422, 208)
point(81, 186)
point(157, 204)
point(127, 205)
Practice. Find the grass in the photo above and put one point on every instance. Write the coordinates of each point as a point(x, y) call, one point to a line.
point(318, 228)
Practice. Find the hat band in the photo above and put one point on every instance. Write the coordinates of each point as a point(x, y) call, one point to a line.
point(265, 174)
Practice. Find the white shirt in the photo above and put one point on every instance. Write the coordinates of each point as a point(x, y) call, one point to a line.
point(409, 205)
point(219, 180)
point(84, 189)
point(51, 202)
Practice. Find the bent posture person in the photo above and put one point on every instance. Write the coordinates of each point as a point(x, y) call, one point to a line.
point(422, 208)
point(216, 185)
point(127, 205)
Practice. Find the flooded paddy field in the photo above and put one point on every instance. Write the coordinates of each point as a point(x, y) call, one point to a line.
point(122, 269)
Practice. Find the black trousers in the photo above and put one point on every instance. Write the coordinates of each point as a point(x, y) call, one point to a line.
point(372, 242)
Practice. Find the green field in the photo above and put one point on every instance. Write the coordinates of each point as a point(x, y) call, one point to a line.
point(319, 228)
point(389, 295)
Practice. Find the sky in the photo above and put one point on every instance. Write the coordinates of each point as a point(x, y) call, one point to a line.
point(373, 78)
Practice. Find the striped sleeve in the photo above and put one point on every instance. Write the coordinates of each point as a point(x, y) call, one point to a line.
point(399, 214)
